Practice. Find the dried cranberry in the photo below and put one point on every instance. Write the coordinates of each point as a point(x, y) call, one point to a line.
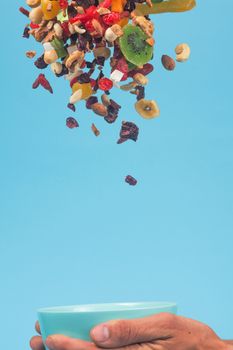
point(72, 123)
point(129, 131)
point(140, 92)
point(26, 33)
point(111, 118)
point(90, 101)
point(145, 70)
point(24, 11)
point(105, 84)
point(131, 180)
point(41, 80)
point(71, 106)
point(115, 105)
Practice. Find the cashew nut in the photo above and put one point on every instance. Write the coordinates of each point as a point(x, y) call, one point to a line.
point(140, 79)
point(76, 57)
point(58, 30)
point(77, 96)
point(79, 30)
point(182, 52)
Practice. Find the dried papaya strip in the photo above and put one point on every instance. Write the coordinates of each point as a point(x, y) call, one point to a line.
point(165, 6)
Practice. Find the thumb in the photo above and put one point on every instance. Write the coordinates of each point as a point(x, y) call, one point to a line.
point(119, 333)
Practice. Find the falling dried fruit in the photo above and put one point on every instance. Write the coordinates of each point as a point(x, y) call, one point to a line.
point(72, 123)
point(31, 54)
point(129, 131)
point(95, 130)
point(130, 180)
point(147, 109)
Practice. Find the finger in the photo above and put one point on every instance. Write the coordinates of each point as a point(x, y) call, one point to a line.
point(115, 334)
point(36, 343)
point(61, 342)
point(37, 327)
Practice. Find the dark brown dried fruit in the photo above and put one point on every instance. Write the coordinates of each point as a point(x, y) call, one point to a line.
point(168, 62)
point(90, 101)
point(26, 33)
point(131, 180)
point(72, 123)
point(71, 106)
point(129, 131)
point(83, 78)
point(40, 63)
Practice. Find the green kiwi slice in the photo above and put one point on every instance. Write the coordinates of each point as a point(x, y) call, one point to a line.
point(134, 46)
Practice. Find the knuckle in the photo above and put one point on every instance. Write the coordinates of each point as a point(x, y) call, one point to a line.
point(169, 319)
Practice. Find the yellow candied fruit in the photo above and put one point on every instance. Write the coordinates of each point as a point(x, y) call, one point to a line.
point(123, 22)
point(50, 8)
point(86, 89)
point(118, 5)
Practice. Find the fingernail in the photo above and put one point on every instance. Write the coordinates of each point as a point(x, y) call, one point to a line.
point(100, 333)
point(50, 342)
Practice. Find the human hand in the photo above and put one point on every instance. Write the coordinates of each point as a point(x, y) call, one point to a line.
point(158, 332)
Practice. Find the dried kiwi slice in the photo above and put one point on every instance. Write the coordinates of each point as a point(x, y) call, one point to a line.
point(134, 46)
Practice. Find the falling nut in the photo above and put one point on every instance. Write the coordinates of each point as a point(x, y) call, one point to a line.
point(168, 62)
point(128, 87)
point(58, 30)
point(74, 58)
point(50, 56)
point(79, 30)
point(100, 109)
point(56, 67)
point(105, 100)
point(140, 79)
point(31, 54)
point(95, 130)
point(33, 3)
point(110, 35)
point(117, 29)
point(182, 52)
point(77, 96)
point(147, 109)
point(36, 15)
point(102, 52)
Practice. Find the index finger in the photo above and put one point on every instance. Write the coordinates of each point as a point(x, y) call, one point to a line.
point(37, 327)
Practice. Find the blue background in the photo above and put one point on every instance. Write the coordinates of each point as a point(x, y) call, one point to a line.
point(72, 231)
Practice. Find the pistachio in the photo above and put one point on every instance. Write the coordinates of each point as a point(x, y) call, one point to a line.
point(182, 52)
point(140, 79)
point(36, 15)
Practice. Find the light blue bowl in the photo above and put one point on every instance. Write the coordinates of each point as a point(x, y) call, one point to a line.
point(76, 321)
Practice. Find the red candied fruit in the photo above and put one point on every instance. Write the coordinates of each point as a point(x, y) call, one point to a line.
point(105, 84)
point(111, 18)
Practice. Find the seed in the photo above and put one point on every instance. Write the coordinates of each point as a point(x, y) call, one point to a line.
point(168, 62)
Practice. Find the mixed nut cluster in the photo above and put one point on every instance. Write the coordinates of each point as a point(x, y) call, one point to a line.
point(109, 29)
